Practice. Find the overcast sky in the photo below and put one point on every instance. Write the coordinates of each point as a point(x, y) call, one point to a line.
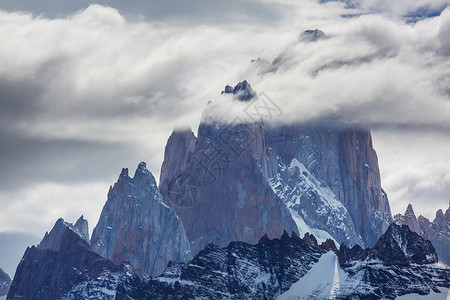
point(86, 89)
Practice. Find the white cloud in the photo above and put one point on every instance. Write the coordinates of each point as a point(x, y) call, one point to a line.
point(35, 210)
point(95, 76)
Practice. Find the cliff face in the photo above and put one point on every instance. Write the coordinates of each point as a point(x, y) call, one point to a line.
point(345, 165)
point(437, 231)
point(221, 190)
point(294, 268)
point(135, 226)
point(226, 183)
point(52, 239)
point(61, 260)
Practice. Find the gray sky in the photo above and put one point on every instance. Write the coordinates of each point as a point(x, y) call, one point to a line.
point(88, 89)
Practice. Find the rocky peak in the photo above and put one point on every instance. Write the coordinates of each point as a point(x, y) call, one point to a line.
point(81, 227)
point(437, 231)
point(177, 154)
point(242, 90)
point(5, 282)
point(311, 35)
point(409, 211)
point(397, 246)
point(400, 245)
point(330, 180)
point(52, 239)
point(409, 219)
point(215, 184)
point(62, 260)
point(238, 271)
point(135, 225)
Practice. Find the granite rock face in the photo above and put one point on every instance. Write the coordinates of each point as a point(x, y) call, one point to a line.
point(5, 283)
point(52, 239)
point(226, 183)
point(61, 260)
point(135, 226)
point(220, 188)
point(409, 219)
point(330, 180)
point(81, 227)
point(437, 231)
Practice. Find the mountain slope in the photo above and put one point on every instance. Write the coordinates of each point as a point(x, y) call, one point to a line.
point(217, 183)
point(135, 226)
point(337, 186)
point(225, 183)
point(239, 271)
point(294, 268)
point(437, 231)
point(51, 269)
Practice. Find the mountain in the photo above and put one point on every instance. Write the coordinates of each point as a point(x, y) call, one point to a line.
point(5, 283)
point(217, 182)
point(52, 240)
point(294, 268)
point(225, 183)
point(240, 271)
point(437, 231)
point(135, 226)
point(330, 180)
point(409, 219)
point(62, 260)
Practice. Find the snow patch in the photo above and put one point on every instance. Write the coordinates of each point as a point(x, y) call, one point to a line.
point(321, 282)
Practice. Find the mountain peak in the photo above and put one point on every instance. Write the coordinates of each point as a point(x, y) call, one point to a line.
point(439, 214)
point(52, 239)
point(311, 35)
point(409, 210)
point(124, 173)
point(242, 90)
point(142, 168)
point(81, 228)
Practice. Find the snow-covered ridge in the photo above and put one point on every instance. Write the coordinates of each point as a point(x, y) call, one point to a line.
point(313, 205)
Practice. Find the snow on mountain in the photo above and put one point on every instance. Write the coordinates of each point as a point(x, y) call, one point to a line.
point(330, 178)
point(401, 263)
point(321, 282)
point(313, 205)
point(238, 271)
point(294, 268)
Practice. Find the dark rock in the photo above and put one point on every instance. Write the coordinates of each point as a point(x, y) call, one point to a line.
point(242, 90)
point(311, 35)
point(239, 271)
point(437, 231)
point(397, 246)
point(5, 283)
point(51, 269)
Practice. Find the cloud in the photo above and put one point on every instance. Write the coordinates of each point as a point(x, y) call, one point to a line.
point(415, 168)
point(87, 93)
